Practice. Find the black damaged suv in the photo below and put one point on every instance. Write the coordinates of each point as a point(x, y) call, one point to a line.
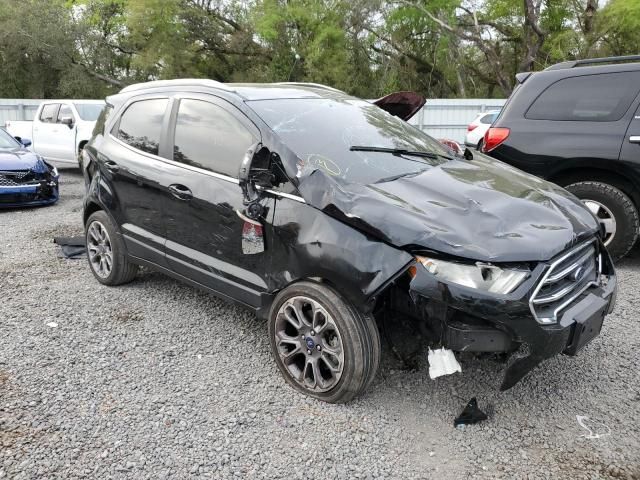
point(327, 215)
point(577, 124)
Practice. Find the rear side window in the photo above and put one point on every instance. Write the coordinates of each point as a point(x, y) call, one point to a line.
point(488, 118)
point(49, 113)
point(589, 98)
point(141, 124)
point(209, 137)
point(102, 120)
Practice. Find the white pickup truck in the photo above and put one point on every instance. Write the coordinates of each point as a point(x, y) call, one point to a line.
point(60, 128)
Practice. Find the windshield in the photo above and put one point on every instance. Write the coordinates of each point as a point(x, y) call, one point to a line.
point(322, 132)
point(7, 141)
point(89, 111)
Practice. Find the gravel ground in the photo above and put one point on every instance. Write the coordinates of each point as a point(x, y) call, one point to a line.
point(157, 380)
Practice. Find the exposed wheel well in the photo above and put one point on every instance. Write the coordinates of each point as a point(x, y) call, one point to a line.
point(90, 209)
point(614, 179)
point(82, 144)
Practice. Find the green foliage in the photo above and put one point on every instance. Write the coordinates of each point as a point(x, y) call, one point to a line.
point(442, 48)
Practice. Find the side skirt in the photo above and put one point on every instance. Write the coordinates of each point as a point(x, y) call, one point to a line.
point(260, 310)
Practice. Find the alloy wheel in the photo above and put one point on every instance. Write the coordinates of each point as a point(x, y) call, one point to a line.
point(309, 344)
point(605, 217)
point(99, 249)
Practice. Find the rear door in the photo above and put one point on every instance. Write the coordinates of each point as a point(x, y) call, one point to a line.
point(630, 152)
point(204, 213)
point(135, 176)
point(45, 130)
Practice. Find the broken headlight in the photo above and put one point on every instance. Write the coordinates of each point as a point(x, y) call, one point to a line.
point(482, 276)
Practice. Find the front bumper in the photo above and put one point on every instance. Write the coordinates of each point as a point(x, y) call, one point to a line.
point(34, 193)
point(464, 319)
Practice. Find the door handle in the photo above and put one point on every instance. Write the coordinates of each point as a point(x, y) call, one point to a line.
point(180, 192)
point(111, 166)
point(634, 139)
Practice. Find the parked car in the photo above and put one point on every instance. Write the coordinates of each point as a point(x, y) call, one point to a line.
point(25, 178)
point(324, 214)
point(577, 124)
point(479, 126)
point(60, 129)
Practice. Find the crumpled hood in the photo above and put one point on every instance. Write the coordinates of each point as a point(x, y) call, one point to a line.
point(21, 160)
point(481, 209)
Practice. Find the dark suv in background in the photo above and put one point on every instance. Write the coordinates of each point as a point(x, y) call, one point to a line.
point(577, 124)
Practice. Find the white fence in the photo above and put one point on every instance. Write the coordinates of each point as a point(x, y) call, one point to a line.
point(448, 118)
point(17, 109)
point(440, 118)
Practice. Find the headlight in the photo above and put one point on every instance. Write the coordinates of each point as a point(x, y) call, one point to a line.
point(482, 276)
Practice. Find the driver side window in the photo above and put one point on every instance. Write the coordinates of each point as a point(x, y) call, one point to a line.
point(209, 137)
point(65, 111)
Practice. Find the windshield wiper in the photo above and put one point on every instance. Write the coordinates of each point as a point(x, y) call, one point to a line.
point(398, 152)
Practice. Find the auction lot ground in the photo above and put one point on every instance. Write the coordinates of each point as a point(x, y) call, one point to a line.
point(158, 380)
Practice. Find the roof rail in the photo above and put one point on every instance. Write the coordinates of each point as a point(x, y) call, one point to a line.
point(307, 84)
point(195, 82)
point(594, 61)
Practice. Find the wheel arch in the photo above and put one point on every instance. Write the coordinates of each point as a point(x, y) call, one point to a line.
point(90, 208)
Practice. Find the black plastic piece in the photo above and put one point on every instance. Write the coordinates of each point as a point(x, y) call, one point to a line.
point(470, 415)
point(72, 247)
point(462, 337)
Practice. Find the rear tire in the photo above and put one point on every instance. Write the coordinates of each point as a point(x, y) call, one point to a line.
point(323, 346)
point(479, 146)
point(106, 251)
point(616, 209)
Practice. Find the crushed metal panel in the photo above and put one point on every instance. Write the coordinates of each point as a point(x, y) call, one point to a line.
point(481, 209)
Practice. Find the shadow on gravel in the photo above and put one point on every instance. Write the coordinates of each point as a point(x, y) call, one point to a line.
point(632, 260)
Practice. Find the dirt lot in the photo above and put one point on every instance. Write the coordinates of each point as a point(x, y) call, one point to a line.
point(157, 380)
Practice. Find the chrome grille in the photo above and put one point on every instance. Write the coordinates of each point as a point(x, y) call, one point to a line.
point(7, 182)
point(15, 174)
point(567, 278)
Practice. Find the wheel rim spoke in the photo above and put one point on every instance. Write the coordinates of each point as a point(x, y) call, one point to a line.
point(605, 217)
point(609, 225)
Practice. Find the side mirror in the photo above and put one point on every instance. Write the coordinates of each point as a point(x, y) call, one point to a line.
point(245, 166)
point(24, 141)
point(68, 121)
point(254, 175)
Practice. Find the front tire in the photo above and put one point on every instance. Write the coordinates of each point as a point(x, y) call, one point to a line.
point(323, 346)
point(106, 252)
point(615, 210)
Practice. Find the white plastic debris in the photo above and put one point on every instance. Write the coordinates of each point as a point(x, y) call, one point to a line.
point(592, 427)
point(52, 324)
point(442, 361)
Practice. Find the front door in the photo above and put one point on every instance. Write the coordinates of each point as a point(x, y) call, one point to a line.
point(63, 143)
point(204, 222)
point(45, 130)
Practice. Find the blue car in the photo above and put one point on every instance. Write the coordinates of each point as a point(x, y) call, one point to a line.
point(25, 178)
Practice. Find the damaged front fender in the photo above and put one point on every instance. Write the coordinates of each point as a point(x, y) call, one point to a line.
point(309, 244)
